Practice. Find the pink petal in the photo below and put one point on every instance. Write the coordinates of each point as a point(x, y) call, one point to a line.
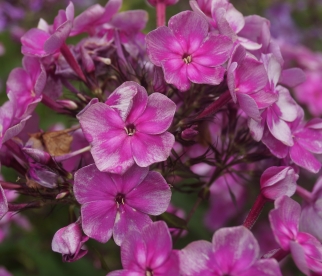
point(214, 51)
point(128, 181)
point(128, 219)
point(292, 77)
point(298, 256)
point(251, 76)
point(202, 74)
point(148, 149)
point(263, 267)
point(131, 21)
point(19, 82)
point(286, 104)
point(231, 80)
point(129, 100)
point(33, 43)
point(98, 219)
point(275, 146)
point(310, 139)
point(134, 252)
point(152, 196)
point(264, 98)
point(304, 158)
point(170, 266)
point(125, 272)
point(162, 45)
point(194, 258)
point(284, 221)
point(278, 128)
point(57, 39)
point(158, 249)
point(256, 128)
point(36, 72)
point(93, 185)
point(248, 105)
point(175, 72)
point(190, 29)
point(157, 116)
point(235, 249)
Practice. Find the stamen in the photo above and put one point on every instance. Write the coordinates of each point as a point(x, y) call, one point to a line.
point(120, 199)
point(130, 129)
point(187, 59)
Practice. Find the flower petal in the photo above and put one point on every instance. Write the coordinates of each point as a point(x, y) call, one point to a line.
point(152, 196)
point(98, 219)
point(249, 106)
point(190, 29)
point(202, 74)
point(235, 249)
point(93, 185)
point(128, 219)
point(175, 72)
point(148, 149)
point(157, 116)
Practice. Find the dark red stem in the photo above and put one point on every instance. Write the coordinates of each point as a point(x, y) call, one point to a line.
point(72, 62)
point(278, 255)
point(255, 211)
point(10, 186)
point(216, 105)
point(304, 194)
point(160, 9)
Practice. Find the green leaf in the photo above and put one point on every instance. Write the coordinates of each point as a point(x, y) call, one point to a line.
point(173, 221)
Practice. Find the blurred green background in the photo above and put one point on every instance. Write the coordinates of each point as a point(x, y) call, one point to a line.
point(29, 252)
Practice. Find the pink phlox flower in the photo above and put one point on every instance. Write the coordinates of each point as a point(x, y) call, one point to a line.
point(115, 204)
point(26, 86)
point(187, 52)
point(46, 40)
point(69, 241)
point(233, 251)
point(226, 19)
point(95, 16)
point(306, 250)
point(246, 79)
point(129, 128)
point(278, 181)
point(148, 252)
point(306, 141)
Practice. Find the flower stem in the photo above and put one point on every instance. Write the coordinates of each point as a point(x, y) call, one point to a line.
point(160, 9)
point(72, 154)
point(9, 186)
point(255, 211)
point(216, 105)
point(278, 254)
point(304, 194)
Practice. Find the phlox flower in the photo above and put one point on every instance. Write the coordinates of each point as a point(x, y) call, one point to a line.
point(114, 204)
point(187, 52)
point(148, 252)
point(306, 250)
point(234, 251)
point(129, 128)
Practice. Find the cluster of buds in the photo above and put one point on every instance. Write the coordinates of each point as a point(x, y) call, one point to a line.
point(199, 106)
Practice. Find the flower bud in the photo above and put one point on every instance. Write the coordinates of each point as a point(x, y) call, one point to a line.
point(166, 2)
point(38, 155)
point(189, 133)
point(68, 241)
point(67, 104)
point(278, 181)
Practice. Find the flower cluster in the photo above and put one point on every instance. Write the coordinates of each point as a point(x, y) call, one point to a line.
point(199, 106)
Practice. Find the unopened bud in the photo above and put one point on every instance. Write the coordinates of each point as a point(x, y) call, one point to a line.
point(278, 181)
point(67, 104)
point(189, 133)
point(62, 195)
point(107, 61)
point(38, 155)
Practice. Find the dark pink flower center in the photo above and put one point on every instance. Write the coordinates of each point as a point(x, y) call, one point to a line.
point(120, 199)
point(187, 58)
point(130, 129)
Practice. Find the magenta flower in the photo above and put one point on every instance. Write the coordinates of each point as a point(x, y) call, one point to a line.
point(46, 40)
point(278, 181)
point(69, 241)
point(187, 52)
point(114, 204)
point(26, 85)
point(148, 252)
point(306, 250)
point(129, 128)
point(234, 251)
